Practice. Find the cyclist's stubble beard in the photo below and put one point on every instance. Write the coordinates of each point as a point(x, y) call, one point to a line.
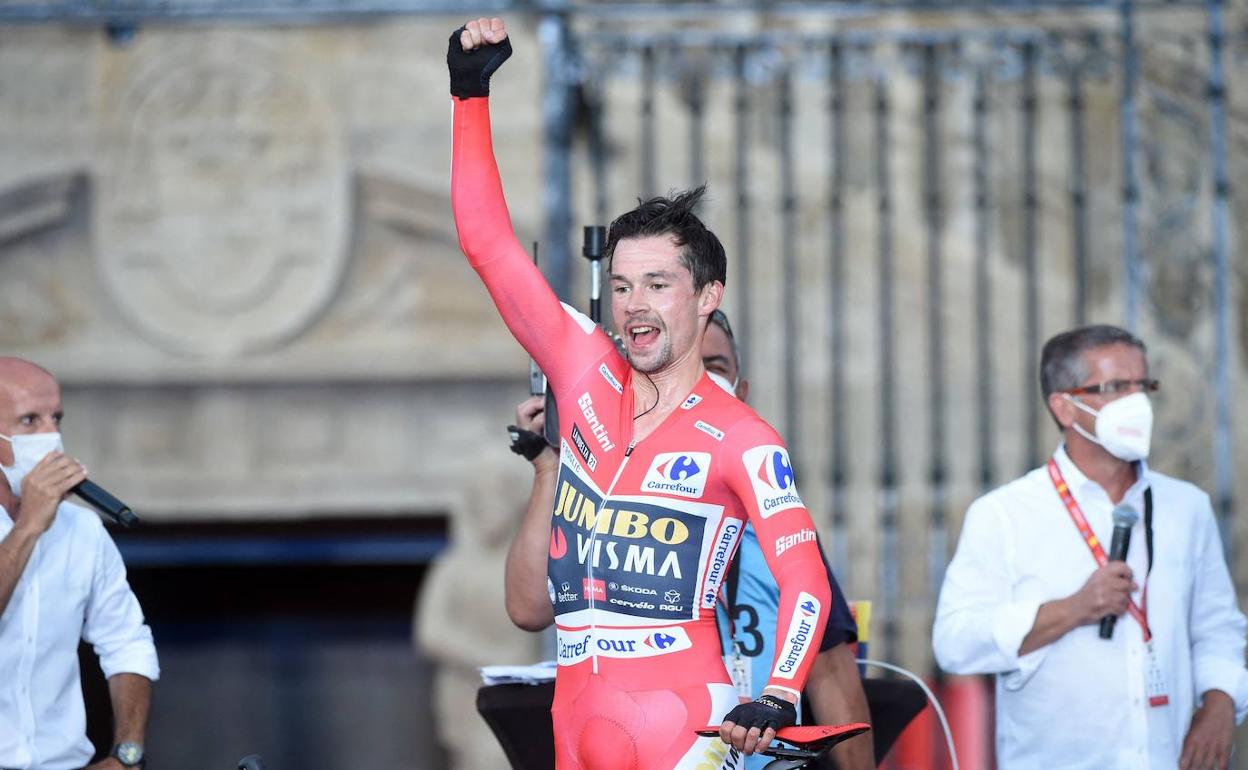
point(654, 360)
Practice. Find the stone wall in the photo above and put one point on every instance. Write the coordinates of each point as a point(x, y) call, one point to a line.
point(235, 249)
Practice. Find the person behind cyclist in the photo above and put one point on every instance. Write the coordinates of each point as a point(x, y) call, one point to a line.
point(834, 687)
point(659, 471)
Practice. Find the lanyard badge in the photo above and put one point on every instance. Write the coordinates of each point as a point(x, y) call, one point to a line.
point(741, 674)
point(1154, 680)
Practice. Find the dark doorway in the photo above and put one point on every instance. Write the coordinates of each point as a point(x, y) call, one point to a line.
point(291, 640)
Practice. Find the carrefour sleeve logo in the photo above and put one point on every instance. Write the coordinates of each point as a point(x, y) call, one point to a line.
point(678, 473)
point(799, 638)
point(771, 473)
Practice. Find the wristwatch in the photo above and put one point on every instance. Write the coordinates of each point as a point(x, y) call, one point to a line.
point(129, 754)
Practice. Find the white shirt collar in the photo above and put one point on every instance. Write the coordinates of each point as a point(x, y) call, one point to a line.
point(1080, 484)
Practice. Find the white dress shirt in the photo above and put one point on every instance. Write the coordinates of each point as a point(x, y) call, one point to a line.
point(1080, 702)
point(74, 586)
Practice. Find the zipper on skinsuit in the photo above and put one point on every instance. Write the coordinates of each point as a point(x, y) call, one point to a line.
point(589, 563)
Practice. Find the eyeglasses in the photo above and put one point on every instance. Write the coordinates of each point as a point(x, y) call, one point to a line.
point(718, 318)
point(1116, 388)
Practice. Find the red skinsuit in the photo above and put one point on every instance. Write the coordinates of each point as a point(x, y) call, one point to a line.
point(640, 539)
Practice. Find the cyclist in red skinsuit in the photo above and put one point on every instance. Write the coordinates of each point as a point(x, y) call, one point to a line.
point(659, 470)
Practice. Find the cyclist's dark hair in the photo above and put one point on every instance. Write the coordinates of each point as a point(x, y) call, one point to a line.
point(701, 252)
point(1061, 361)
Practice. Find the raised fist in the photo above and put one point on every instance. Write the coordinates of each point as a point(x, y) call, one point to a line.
point(475, 52)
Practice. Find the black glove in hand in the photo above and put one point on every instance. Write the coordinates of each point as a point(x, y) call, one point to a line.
point(471, 70)
point(526, 443)
point(767, 711)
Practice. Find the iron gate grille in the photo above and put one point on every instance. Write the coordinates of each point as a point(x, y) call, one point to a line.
point(909, 213)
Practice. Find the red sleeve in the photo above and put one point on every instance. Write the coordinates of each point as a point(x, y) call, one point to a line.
point(561, 340)
point(760, 474)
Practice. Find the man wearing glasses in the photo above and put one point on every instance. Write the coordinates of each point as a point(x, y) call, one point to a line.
point(1031, 581)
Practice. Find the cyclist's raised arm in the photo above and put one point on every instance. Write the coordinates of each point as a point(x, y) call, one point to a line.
point(558, 338)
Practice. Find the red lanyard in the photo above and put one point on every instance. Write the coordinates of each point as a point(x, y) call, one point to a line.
point(1094, 545)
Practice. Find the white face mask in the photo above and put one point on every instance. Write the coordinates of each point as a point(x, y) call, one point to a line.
point(28, 450)
point(729, 387)
point(1124, 426)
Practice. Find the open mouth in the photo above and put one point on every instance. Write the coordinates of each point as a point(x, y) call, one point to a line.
point(642, 335)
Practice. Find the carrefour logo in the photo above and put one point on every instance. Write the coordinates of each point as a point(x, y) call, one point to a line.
point(660, 641)
point(709, 430)
point(610, 378)
point(799, 637)
point(575, 646)
point(681, 468)
point(730, 530)
point(775, 470)
point(678, 473)
point(771, 473)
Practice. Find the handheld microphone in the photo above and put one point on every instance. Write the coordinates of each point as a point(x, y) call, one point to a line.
point(1124, 519)
point(105, 503)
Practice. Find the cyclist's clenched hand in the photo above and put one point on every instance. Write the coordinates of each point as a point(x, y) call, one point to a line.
point(750, 727)
point(475, 52)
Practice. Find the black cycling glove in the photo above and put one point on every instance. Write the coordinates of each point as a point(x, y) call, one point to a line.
point(471, 70)
point(526, 442)
point(767, 711)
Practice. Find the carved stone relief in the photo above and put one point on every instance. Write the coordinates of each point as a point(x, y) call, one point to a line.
point(222, 216)
point(257, 206)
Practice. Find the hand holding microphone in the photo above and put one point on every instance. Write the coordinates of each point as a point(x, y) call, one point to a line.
point(58, 474)
point(43, 488)
point(1124, 519)
point(1107, 592)
point(42, 474)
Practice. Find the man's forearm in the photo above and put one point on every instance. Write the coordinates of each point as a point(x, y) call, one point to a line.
point(15, 551)
point(131, 696)
point(528, 603)
point(1054, 620)
point(837, 698)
